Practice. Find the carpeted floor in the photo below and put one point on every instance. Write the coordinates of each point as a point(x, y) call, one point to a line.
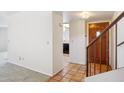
point(13, 73)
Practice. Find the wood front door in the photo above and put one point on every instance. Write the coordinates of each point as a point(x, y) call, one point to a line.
point(101, 55)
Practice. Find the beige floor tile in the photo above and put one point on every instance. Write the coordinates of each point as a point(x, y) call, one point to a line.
point(77, 66)
point(82, 68)
point(74, 69)
point(79, 75)
point(68, 76)
point(65, 80)
point(57, 77)
point(72, 72)
point(81, 72)
point(76, 78)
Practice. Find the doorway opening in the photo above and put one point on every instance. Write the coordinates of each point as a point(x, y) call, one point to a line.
point(66, 49)
point(66, 39)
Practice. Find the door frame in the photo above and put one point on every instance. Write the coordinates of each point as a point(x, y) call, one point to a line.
point(87, 35)
point(87, 28)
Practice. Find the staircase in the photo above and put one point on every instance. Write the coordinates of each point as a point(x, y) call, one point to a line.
point(96, 67)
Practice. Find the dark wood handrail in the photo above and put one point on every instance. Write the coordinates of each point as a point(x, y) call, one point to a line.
point(107, 28)
point(120, 44)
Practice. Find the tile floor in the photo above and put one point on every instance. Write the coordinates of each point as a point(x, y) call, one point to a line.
point(76, 73)
point(71, 73)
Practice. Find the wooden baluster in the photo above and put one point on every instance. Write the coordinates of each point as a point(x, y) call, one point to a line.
point(87, 73)
point(116, 46)
point(100, 52)
point(95, 58)
point(90, 61)
point(107, 50)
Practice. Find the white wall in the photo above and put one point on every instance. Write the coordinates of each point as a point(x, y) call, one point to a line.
point(116, 14)
point(30, 40)
point(112, 47)
point(35, 41)
point(3, 19)
point(3, 39)
point(77, 42)
point(57, 42)
point(120, 39)
point(3, 33)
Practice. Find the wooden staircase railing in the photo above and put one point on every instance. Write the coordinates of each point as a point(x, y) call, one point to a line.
point(92, 66)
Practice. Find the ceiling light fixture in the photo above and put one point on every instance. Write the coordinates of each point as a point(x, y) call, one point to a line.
point(85, 15)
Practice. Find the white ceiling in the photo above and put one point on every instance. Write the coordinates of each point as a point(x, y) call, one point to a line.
point(72, 15)
point(94, 15)
point(7, 13)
